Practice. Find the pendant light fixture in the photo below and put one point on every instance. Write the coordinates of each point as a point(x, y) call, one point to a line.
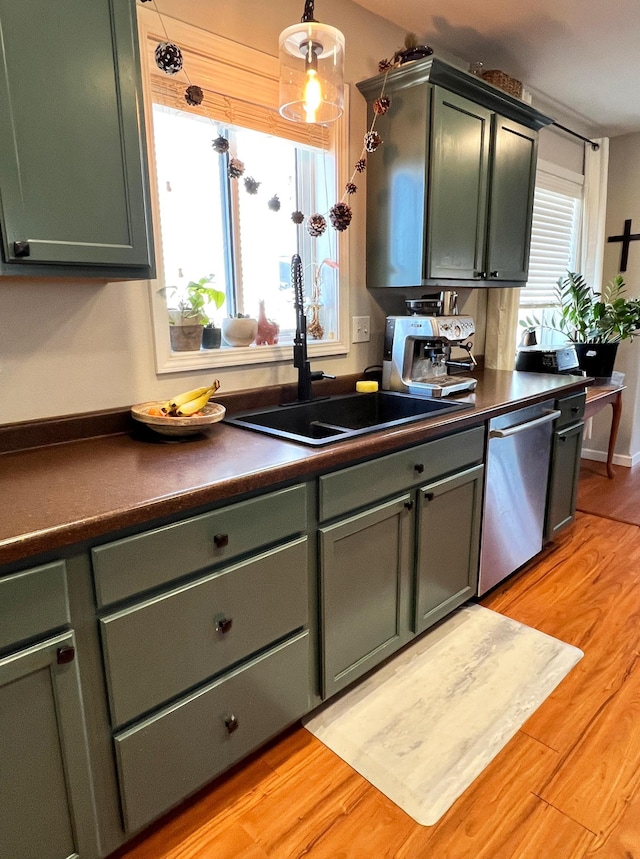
point(311, 70)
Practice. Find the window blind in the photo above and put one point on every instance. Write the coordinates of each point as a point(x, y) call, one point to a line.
point(240, 84)
point(554, 237)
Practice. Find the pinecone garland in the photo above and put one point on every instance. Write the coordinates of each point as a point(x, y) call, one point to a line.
point(221, 145)
point(297, 217)
point(372, 140)
point(316, 225)
point(385, 66)
point(193, 95)
point(274, 203)
point(251, 185)
point(381, 105)
point(168, 58)
point(361, 165)
point(340, 216)
point(351, 188)
point(235, 168)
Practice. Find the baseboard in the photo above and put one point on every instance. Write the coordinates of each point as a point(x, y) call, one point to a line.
point(618, 458)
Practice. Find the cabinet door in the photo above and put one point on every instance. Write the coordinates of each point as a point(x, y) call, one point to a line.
point(73, 178)
point(364, 590)
point(396, 190)
point(461, 133)
point(47, 800)
point(563, 479)
point(448, 545)
point(511, 200)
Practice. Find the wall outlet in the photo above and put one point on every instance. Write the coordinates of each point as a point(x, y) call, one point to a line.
point(360, 329)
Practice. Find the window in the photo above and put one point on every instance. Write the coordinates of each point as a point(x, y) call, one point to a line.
point(211, 224)
point(555, 231)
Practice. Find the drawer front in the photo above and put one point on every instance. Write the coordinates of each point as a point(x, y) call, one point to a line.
point(156, 651)
point(169, 756)
point(146, 561)
point(370, 482)
point(572, 409)
point(33, 603)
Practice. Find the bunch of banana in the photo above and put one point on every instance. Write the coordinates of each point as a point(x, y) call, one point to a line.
point(189, 402)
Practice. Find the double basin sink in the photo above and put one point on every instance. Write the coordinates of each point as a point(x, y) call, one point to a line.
point(324, 421)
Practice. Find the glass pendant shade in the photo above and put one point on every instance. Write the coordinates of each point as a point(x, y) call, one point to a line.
point(311, 73)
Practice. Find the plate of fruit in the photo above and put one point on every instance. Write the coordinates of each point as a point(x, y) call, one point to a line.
point(187, 413)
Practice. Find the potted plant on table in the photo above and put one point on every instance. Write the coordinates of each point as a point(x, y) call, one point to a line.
point(188, 317)
point(594, 322)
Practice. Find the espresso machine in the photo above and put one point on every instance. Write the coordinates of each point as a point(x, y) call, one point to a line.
point(417, 354)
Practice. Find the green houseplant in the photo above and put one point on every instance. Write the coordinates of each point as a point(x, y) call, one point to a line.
point(594, 322)
point(188, 315)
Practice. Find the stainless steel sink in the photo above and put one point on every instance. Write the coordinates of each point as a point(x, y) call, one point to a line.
point(325, 421)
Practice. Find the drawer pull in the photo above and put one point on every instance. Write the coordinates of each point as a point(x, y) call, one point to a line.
point(419, 468)
point(575, 409)
point(223, 626)
point(231, 723)
point(408, 505)
point(221, 540)
point(21, 249)
point(429, 496)
point(65, 654)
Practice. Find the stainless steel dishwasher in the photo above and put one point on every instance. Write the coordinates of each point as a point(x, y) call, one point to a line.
point(517, 475)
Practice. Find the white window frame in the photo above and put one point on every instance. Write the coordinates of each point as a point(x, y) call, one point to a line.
point(248, 71)
point(552, 177)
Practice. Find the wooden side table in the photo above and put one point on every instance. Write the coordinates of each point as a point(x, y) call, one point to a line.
point(598, 396)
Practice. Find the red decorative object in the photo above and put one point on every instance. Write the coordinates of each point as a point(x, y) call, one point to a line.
point(268, 330)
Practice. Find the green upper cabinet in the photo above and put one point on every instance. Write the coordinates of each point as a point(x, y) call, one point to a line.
point(450, 191)
point(74, 187)
point(457, 203)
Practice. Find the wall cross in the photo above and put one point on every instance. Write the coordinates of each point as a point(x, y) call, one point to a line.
point(626, 238)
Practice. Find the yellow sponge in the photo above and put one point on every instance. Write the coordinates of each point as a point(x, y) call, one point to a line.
point(366, 387)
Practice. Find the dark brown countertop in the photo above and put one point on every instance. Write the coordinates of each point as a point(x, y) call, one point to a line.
point(58, 495)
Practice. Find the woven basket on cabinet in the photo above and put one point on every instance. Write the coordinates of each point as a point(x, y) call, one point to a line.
point(503, 81)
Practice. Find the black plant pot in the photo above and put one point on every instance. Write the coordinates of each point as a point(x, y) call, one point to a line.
point(597, 359)
point(211, 337)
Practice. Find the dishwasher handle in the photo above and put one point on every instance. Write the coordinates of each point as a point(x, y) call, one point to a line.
point(518, 428)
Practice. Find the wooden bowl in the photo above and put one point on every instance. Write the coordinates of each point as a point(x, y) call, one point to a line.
point(211, 414)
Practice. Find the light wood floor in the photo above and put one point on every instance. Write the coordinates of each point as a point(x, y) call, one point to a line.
point(567, 786)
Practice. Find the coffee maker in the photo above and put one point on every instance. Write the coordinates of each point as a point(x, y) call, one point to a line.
point(417, 354)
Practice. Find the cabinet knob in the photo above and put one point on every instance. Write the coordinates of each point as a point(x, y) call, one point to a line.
point(231, 723)
point(21, 249)
point(221, 540)
point(575, 409)
point(408, 505)
point(429, 496)
point(495, 274)
point(65, 654)
point(480, 274)
point(224, 625)
point(418, 468)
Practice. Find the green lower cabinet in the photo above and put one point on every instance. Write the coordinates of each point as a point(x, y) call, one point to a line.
point(563, 479)
point(448, 539)
point(365, 569)
point(47, 809)
point(181, 747)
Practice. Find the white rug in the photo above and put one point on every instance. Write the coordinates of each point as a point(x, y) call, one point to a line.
point(427, 723)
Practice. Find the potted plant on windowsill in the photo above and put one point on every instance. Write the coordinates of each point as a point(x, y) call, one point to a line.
point(188, 317)
point(594, 322)
point(239, 330)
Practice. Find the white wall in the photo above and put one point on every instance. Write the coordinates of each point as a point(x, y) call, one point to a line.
point(623, 203)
